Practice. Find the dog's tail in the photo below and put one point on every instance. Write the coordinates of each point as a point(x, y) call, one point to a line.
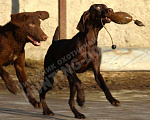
point(56, 34)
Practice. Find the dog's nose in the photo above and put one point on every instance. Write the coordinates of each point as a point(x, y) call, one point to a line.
point(45, 37)
point(110, 10)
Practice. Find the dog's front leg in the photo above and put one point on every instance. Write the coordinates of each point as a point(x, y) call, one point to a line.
point(80, 97)
point(20, 71)
point(8, 80)
point(75, 85)
point(100, 81)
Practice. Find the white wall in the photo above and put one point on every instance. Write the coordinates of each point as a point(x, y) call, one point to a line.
point(126, 36)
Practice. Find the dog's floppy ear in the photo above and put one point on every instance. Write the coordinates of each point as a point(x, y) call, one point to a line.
point(18, 18)
point(81, 24)
point(42, 14)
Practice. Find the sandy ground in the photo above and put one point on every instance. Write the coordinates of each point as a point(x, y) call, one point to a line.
point(130, 88)
point(115, 80)
point(134, 106)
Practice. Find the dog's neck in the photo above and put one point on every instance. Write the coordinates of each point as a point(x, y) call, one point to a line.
point(91, 33)
point(11, 31)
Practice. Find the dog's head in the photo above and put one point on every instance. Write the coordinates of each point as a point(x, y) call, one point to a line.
point(29, 26)
point(96, 16)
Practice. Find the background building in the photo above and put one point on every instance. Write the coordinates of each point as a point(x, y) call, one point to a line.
point(124, 36)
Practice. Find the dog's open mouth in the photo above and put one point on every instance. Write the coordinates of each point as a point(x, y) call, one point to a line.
point(106, 20)
point(33, 41)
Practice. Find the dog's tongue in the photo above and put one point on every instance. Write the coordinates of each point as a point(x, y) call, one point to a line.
point(36, 43)
point(33, 41)
point(107, 20)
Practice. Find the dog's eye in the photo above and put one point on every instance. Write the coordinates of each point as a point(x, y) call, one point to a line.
point(99, 7)
point(32, 25)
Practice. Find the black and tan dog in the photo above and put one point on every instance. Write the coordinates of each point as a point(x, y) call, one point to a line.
point(23, 28)
point(77, 55)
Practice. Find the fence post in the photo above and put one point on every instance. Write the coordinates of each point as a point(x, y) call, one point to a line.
point(62, 18)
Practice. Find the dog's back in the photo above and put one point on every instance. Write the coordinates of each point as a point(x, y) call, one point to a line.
point(60, 45)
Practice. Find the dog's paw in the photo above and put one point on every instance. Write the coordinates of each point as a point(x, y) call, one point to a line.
point(80, 116)
point(38, 105)
point(115, 102)
point(48, 112)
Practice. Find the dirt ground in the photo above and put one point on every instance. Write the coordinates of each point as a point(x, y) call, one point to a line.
point(115, 80)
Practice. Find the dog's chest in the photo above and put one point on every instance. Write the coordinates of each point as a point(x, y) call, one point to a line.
point(81, 63)
point(81, 66)
point(9, 60)
point(85, 57)
point(11, 57)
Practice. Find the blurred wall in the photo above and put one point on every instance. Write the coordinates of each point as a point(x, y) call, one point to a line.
point(128, 35)
point(125, 36)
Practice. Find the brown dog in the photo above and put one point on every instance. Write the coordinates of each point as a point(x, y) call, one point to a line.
point(23, 28)
point(76, 56)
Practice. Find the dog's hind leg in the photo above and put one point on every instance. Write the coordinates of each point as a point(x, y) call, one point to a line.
point(8, 81)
